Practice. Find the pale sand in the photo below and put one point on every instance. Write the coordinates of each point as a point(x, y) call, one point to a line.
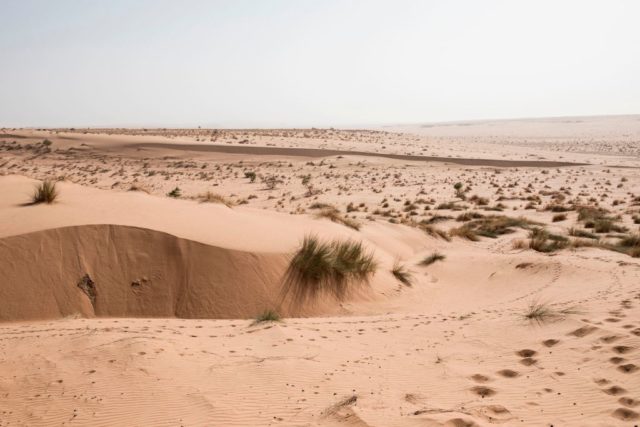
point(451, 350)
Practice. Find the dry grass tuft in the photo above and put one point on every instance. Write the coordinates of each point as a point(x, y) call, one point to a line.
point(540, 312)
point(434, 257)
point(327, 267)
point(402, 273)
point(45, 192)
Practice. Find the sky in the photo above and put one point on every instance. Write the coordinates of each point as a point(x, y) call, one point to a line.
point(303, 63)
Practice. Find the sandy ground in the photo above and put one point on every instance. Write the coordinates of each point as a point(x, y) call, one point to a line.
point(123, 306)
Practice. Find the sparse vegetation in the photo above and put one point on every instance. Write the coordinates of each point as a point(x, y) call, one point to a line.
point(327, 267)
point(45, 192)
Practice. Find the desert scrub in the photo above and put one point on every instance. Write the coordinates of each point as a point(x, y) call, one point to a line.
point(45, 192)
point(540, 312)
point(327, 267)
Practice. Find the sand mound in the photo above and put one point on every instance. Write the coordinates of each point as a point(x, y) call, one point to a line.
point(111, 270)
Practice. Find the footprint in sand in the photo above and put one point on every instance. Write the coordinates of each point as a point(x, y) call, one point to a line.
point(483, 391)
point(526, 353)
point(508, 373)
point(622, 349)
point(615, 390)
point(583, 331)
point(550, 342)
point(479, 378)
point(628, 402)
point(625, 414)
point(629, 368)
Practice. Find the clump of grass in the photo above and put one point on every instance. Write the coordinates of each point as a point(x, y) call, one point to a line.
point(267, 316)
point(541, 312)
point(175, 193)
point(45, 192)
point(327, 267)
point(210, 197)
point(434, 257)
point(402, 273)
point(541, 240)
point(334, 215)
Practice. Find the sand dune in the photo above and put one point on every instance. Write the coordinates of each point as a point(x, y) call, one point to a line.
point(125, 302)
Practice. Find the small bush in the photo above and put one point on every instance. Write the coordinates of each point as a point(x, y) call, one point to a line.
point(45, 192)
point(434, 257)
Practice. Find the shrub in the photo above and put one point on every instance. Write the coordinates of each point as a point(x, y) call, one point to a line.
point(434, 257)
point(333, 267)
point(45, 192)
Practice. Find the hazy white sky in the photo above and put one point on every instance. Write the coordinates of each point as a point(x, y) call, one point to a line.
point(277, 63)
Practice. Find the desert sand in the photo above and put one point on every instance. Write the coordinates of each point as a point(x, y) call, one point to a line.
point(137, 297)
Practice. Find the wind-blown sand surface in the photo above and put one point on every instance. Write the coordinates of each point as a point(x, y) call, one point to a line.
point(122, 306)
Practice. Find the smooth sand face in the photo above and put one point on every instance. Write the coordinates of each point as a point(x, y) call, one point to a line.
point(162, 333)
